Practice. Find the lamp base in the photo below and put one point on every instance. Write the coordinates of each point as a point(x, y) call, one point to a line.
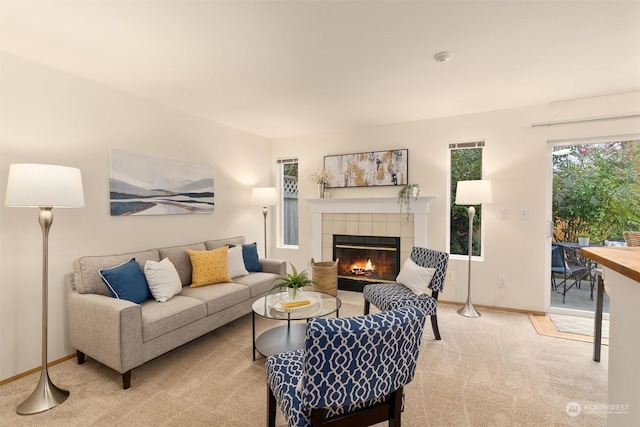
point(44, 397)
point(468, 310)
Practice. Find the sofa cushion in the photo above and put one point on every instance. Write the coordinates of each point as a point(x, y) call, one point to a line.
point(161, 318)
point(258, 283)
point(163, 279)
point(218, 243)
point(236, 262)
point(250, 255)
point(180, 258)
point(85, 270)
point(126, 281)
point(218, 297)
point(209, 267)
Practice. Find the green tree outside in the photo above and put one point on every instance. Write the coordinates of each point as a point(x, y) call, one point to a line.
point(596, 191)
point(290, 169)
point(466, 165)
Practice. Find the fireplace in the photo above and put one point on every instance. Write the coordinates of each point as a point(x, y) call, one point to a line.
point(366, 259)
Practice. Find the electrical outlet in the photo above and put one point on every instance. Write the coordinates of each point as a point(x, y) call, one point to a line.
point(524, 214)
point(504, 213)
point(502, 281)
point(450, 276)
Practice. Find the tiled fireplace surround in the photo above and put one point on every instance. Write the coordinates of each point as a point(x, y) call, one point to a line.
point(379, 216)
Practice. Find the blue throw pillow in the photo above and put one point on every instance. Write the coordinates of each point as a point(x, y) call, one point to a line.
point(127, 281)
point(250, 257)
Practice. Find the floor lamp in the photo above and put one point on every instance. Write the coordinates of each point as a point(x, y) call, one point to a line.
point(472, 193)
point(44, 187)
point(265, 197)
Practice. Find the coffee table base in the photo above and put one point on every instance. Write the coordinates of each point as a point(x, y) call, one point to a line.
point(280, 339)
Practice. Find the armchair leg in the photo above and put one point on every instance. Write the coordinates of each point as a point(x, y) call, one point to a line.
point(395, 404)
point(80, 356)
point(367, 306)
point(434, 325)
point(271, 408)
point(317, 417)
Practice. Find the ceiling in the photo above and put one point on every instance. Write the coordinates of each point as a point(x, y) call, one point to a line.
point(288, 68)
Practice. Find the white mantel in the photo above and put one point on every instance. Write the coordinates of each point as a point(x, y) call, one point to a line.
point(374, 205)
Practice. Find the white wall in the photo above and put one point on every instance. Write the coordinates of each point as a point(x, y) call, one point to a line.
point(517, 160)
point(51, 117)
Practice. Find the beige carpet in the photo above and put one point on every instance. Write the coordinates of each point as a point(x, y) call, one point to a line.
point(491, 371)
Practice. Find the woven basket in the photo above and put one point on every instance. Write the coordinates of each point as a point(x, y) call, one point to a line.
point(632, 238)
point(325, 274)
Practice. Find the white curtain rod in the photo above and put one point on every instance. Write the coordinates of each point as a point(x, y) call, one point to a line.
point(586, 120)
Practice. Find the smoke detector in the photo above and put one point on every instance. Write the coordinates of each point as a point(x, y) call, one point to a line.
point(443, 56)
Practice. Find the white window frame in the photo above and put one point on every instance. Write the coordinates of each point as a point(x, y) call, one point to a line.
point(476, 143)
point(280, 208)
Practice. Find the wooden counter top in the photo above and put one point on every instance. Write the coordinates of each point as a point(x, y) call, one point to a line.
point(624, 260)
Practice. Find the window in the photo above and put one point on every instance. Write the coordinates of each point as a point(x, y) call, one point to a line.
point(596, 190)
point(466, 164)
point(288, 218)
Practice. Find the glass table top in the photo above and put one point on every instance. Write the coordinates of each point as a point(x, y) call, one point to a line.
point(320, 304)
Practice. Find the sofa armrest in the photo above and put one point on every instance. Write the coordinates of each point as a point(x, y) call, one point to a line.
point(106, 329)
point(275, 266)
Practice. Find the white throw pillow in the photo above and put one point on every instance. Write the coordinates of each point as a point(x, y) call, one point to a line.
point(236, 262)
point(164, 281)
point(415, 277)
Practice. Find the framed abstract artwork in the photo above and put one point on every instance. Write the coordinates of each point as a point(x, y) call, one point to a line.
point(145, 185)
point(369, 169)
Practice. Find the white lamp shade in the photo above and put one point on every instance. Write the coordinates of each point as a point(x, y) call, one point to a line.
point(473, 192)
point(36, 185)
point(264, 196)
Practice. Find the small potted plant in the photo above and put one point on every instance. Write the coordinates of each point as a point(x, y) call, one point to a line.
point(321, 178)
point(583, 240)
point(406, 193)
point(293, 282)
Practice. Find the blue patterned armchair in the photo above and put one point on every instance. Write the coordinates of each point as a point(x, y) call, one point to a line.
point(389, 296)
point(351, 369)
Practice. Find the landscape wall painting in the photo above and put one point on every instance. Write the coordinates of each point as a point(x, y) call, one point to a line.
point(145, 185)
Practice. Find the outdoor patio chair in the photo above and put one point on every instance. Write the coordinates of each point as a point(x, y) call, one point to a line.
point(632, 238)
point(566, 263)
point(351, 372)
point(389, 296)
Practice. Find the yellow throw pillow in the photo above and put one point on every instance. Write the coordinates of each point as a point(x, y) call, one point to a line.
point(209, 267)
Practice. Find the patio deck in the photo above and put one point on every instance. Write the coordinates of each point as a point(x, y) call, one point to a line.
point(578, 298)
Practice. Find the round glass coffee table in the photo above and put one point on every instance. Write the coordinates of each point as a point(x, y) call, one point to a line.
point(290, 336)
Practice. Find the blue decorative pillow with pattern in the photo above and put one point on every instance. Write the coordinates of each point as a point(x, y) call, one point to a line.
point(127, 281)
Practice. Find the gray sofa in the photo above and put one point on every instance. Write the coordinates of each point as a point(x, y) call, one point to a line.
point(123, 335)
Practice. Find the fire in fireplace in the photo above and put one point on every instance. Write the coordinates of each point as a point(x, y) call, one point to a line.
point(365, 259)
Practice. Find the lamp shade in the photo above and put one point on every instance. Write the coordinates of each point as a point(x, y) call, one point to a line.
point(473, 192)
point(264, 196)
point(36, 185)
